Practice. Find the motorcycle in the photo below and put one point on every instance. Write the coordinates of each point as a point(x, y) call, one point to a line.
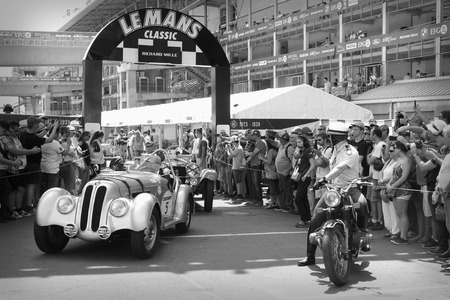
point(339, 236)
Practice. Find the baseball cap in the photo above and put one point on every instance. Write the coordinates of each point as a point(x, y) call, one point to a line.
point(436, 126)
point(285, 136)
point(359, 124)
point(306, 131)
point(271, 134)
point(71, 128)
point(32, 120)
point(256, 132)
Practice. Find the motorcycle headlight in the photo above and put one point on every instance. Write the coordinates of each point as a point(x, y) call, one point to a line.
point(65, 204)
point(119, 207)
point(192, 169)
point(332, 198)
point(193, 181)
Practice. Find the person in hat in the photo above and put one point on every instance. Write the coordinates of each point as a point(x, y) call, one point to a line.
point(344, 167)
point(283, 164)
point(7, 109)
point(256, 166)
point(30, 139)
point(270, 170)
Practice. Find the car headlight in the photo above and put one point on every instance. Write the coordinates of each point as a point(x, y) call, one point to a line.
point(332, 198)
point(65, 204)
point(119, 207)
point(192, 169)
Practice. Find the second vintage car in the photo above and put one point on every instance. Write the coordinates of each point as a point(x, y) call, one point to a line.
point(135, 204)
point(202, 181)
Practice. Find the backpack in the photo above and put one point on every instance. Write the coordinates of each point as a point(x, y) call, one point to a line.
point(286, 152)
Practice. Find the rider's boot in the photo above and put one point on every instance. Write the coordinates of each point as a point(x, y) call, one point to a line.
point(362, 225)
point(310, 258)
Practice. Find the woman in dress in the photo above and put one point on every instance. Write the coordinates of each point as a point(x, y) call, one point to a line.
point(398, 186)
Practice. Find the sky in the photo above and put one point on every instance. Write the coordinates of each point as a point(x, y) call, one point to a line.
point(35, 15)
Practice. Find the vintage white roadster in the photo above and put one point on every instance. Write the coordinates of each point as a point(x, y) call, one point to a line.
point(135, 204)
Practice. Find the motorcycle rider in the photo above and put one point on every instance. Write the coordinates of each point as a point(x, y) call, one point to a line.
point(344, 166)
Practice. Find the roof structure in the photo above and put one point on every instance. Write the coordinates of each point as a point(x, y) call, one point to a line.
point(98, 13)
point(408, 90)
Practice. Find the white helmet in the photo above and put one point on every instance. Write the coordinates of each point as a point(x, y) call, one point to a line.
point(337, 129)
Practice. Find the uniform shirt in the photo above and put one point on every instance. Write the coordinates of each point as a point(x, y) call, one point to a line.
point(345, 155)
point(51, 157)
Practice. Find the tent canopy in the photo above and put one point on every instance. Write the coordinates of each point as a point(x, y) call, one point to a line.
point(297, 102)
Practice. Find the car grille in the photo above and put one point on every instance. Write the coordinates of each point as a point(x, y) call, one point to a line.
point(99, 197)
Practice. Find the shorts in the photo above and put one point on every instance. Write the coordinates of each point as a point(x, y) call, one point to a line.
point(5, 187)
point(375, 191)
point(237, 176)
point(375, 195)
point(34, 175)
point(17, 180)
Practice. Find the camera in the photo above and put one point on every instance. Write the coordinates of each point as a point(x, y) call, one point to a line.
point(419, 144)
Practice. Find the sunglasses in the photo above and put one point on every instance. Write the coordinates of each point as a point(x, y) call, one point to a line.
point(319, 140)
point(391, 150)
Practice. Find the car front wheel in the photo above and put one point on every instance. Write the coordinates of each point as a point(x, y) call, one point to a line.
point(184, 226)
point(144, 243)
point(50, 239)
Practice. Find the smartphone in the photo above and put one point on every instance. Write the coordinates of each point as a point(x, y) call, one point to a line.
point(392, 138)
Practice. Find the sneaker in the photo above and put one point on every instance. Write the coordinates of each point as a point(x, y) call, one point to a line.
point(424, 241)
point(377, 226)
point(399, 241)
point(387, 236)
point(15, 215)
point(30, 209)
point(393, 237)
point(437, 250)
point(236, 201)
point(444, 255)
point(23, 213)
point(431, 244)
point(302, 224)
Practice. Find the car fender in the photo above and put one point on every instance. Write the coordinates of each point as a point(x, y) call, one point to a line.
point(208, 174)
point(143, 205)
point(47, 212)
point(184, 195)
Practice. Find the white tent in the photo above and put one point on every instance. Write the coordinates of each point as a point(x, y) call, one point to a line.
point(298, 102)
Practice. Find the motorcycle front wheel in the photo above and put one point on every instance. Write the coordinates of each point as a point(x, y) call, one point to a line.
point(337, 262)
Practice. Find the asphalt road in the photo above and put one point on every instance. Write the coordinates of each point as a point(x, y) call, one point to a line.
point(234, 252)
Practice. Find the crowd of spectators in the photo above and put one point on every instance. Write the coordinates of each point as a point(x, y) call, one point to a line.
point(408, 166)
point(36, 157)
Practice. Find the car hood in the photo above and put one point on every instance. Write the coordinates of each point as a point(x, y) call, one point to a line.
point(131, 182)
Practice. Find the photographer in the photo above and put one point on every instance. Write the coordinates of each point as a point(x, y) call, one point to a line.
point(256, 166)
